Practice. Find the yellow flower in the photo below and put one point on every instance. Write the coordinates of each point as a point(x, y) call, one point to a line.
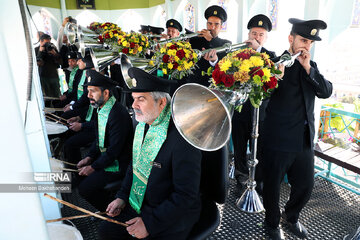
point(164, 71)
point(151, 63)
point(170, 65)
point(267, 74)
point(256, 61)
point(177, 59)
point(140, 49)
point(162, 50)
point(225, 65)
point(124, 43)
point(179, 68)
point(194, 55)
point(169, 44)
point(131, 51)
point(171, 52)
point(245, 66)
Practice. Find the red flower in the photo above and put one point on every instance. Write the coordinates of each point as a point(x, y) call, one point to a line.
point(173, 46)
point(256, 71)
point(107, 35)
point(166, 58)
point(176, 65)
point(180, 54)
point(216, 74)
point(271, 84)
point(125, 50)
point(229, 80)
point(132, 45)
point(243, 55)
point(101, 39)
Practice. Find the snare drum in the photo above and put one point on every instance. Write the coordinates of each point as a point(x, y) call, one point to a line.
point(55, 132)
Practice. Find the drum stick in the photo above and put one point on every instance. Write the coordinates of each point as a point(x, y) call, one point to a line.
point(56, 120)
point(84, 210)
point(47, 109)
point(73, 217)
point(69, 163)
point(51, 98)
point(56, 116)
point(70, 170)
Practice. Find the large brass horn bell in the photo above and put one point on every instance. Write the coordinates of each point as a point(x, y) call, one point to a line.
point(127, 62)
point(203, 115)
point(101, 58)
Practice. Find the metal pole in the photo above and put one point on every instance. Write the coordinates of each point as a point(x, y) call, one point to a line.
point(249, 200)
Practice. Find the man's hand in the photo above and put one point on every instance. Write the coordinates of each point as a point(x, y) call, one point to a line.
point(165, 36)
point(210, 56)
point(75, 126)
point(67, 108)
point(281, 67)
point(66, 20)
point(115, 207)
point(304, 60)
point(205, 34)
point(63, 97)
point(86, 171)
point(137, 228)
point(252, 43)
point(74, 119)
point(84, 162)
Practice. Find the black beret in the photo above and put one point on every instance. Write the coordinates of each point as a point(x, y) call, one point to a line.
point(173, 23)
point(216, 11)
point(156, 30)
point(307, 29)
point(145, 82)
point(72, 55)
point(98, 80)
point(260, 20)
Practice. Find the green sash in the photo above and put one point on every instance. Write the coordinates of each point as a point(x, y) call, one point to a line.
point(144, 154)
point(89, 113)
point(103, 115)
point(80, 86)
point(71, 79)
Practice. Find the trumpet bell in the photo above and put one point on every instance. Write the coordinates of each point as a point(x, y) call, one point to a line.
point(87, 39)
point(202, 115)
point(101, 58)
point(127, 62)
point(70, 30)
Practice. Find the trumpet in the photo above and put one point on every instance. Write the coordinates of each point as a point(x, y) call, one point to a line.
point(179, 38)
point(288, 60)
point(227, 47)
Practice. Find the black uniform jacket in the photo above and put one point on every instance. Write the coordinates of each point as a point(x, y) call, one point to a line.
point(203, 65)
point(118, 140)
point(291, 108)
point(172, 200)
point(72, 96)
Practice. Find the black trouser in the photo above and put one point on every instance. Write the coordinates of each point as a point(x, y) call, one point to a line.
point(92, 189)
point(74, 143)
point(299, 167)
point(241, 133)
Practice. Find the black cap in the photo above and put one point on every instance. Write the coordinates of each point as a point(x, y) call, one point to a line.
point(173, 23)
point(145, 82)
point(87, 59)
point(145, 28)
point(216, 11)
point(93, 78)
point(156, 30)
point(261, 21)
point(307, 29)
point(72, 55)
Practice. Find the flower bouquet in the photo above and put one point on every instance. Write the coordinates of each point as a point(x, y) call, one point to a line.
point(99, 28)
point(134, 44)
point(175, 59)
point(246, 71)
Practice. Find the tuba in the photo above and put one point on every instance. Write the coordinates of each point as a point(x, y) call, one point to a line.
point(101, 57)
point(87, 39)
point(70, 30)
point(127, 62)
point(203, 115)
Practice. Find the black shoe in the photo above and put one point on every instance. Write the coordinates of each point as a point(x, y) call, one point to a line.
point(259, 188)
point(274, 233)
point(296, 228)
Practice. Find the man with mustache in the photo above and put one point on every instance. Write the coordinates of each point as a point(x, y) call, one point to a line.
point(173, 29)
point(258, 26)
point(110, 153)
point(289, 131)
point(159, 198)
point(208, 38)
